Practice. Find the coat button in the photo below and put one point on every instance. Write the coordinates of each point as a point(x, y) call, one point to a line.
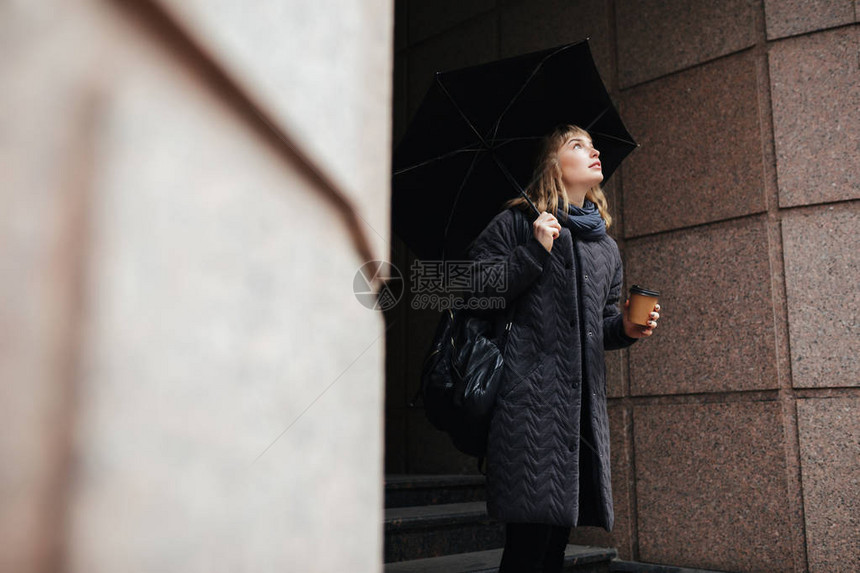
point(589, 333)
point(585, 277)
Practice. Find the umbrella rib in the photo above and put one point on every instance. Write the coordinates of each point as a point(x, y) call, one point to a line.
point(512, 180)
point(507, 140)
point(596, 119)
point(607, 136)
point(523, 87)
point(457, 200)
point(434, 159)
point(460, 111)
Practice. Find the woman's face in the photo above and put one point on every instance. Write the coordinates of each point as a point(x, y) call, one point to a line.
point(580, 166)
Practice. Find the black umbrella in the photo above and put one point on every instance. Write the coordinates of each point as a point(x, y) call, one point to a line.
point(474, 140)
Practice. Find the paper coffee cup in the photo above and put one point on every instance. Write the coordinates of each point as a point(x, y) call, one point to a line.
point(642, 301)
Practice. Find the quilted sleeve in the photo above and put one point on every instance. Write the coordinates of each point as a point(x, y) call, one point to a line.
point(501, 266)
point(613, 326)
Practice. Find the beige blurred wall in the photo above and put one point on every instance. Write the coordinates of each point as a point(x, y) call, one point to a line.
point(187, 189)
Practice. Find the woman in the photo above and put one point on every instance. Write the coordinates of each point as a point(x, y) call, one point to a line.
point(548, 449)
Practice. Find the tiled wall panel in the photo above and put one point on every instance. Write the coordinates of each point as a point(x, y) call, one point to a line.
point(656, 37)
point(615, 373)
point(700, 158)
point(467, 45)
point(822, 270)
point(536, 25)
point(716, 330)
point(790, 17)
point(401, 23)
point(431, 450)
point(829, 432)
point(430, 17)
point(399, 101)
point(815, 88)
point(710, 483)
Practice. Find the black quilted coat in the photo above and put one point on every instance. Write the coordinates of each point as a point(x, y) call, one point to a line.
point(548, 450)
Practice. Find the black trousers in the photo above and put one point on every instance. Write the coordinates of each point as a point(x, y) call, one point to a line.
point(534, 548)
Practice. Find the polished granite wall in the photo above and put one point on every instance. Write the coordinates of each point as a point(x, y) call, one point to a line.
point(735, 428)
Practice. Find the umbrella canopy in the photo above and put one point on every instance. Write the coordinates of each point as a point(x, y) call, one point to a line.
point(475, 138)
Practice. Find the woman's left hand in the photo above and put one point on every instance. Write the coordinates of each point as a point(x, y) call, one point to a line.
point(635, 330)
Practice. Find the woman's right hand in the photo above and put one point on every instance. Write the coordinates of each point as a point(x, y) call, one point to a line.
point(546, 229)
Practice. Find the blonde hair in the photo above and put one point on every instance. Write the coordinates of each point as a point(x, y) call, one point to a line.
point(547, 189)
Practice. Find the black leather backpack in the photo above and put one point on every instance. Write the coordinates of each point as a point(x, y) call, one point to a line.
point(462, 371)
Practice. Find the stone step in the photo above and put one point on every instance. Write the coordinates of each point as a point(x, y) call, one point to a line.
point(414, 490)
point(619, 566)
point(576, 558)
point(436, 530)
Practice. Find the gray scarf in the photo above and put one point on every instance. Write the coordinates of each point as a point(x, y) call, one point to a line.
point(585, 223)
